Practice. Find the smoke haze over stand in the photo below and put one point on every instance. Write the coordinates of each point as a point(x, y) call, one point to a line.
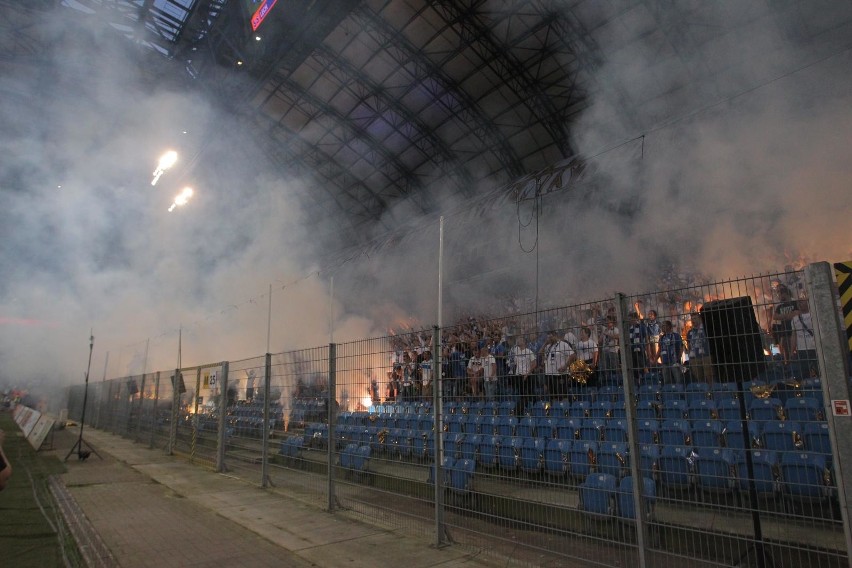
point(741, 187)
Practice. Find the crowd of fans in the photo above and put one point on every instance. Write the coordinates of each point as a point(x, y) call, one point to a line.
point(550, 354)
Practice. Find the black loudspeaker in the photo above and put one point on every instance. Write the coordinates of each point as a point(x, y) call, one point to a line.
point(735, 338)
point(182, 385)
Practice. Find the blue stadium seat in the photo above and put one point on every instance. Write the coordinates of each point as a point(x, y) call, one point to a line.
point(615, 430)
point(647, 410)
point(804, 477)
point(540, 409)
point(532, 455)
point(600, 409)
point(802, 409)
point(674, 409)
point(509, 455)
point(455, 423)
point(560, 408)
point(733, 433)
point(649, 460)
point(567, 428)
point(470, 446)
point(556, 454)
point(648, 392)
point(648, 431)
point(461, 475)
point(626, 503)
point(545, 427)
point(582, 458)
point(423, 445)
point(489, 450)
point(697, 391)
point(526, 427)
point(782, 436)
point(579, 409)
point(723, 391)
point(817, 439)
point(597, 495)
point(591, 429)
point(702, 409)
point(672, 392)
point(728, 409)
point(675, 468)
point(347, 456)
point(473, 424)
point(619, 409)
point(706, 434)
point(612, 458)
point(714, 469)
point(506, 426)
point(453, 444)
point(361, 460)
point(765, 409)
point(674, 433)
point(765, 473)
point(446, 465)
point(611, 393)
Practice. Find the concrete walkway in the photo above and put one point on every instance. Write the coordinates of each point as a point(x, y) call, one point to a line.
point(149, 509)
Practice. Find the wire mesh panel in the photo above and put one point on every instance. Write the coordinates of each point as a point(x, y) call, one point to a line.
point(198, 414)
point(243, 417)
point(384, 433)
point(682, 427)
point(731, 374)
point(298, 410)
point(531, 468)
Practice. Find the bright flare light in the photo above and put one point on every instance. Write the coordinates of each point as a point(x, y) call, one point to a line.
point(181, 198)
point(167, 160)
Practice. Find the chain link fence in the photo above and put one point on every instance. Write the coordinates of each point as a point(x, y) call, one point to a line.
point(688, 427)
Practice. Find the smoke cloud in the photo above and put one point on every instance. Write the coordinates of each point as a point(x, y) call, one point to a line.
point(732, 157)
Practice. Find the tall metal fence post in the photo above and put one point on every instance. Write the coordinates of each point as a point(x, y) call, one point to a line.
point(223, 424)
point(832, 353)
point(176, 378)
point(264, 460)
point(437, 409)
point(136, 438)
point(195, 415)
point(154, 419)
point(222, 436)
point(331, 405)
point(621, 310)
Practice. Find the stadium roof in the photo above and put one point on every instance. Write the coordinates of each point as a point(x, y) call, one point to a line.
point(379, 101)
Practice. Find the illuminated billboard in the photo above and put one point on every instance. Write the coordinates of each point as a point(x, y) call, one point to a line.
point(258, 10)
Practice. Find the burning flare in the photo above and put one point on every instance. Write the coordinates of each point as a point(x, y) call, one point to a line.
point(181, 198)
point(167, 160)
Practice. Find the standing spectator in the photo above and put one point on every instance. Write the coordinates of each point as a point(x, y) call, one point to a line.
point(475, 373)
point(700, 368)
point(5, 466)
point(489, 373)
point(804, 354)
point(587, 351)
point(425, 368)
point(654, 332)
point(671, 351)
point(557, 356)
point(782, 324)
point(638, 345)
point(500, 350)
point(524, 367)
point(407, 377)
point(610, 347)
point(458, 370)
